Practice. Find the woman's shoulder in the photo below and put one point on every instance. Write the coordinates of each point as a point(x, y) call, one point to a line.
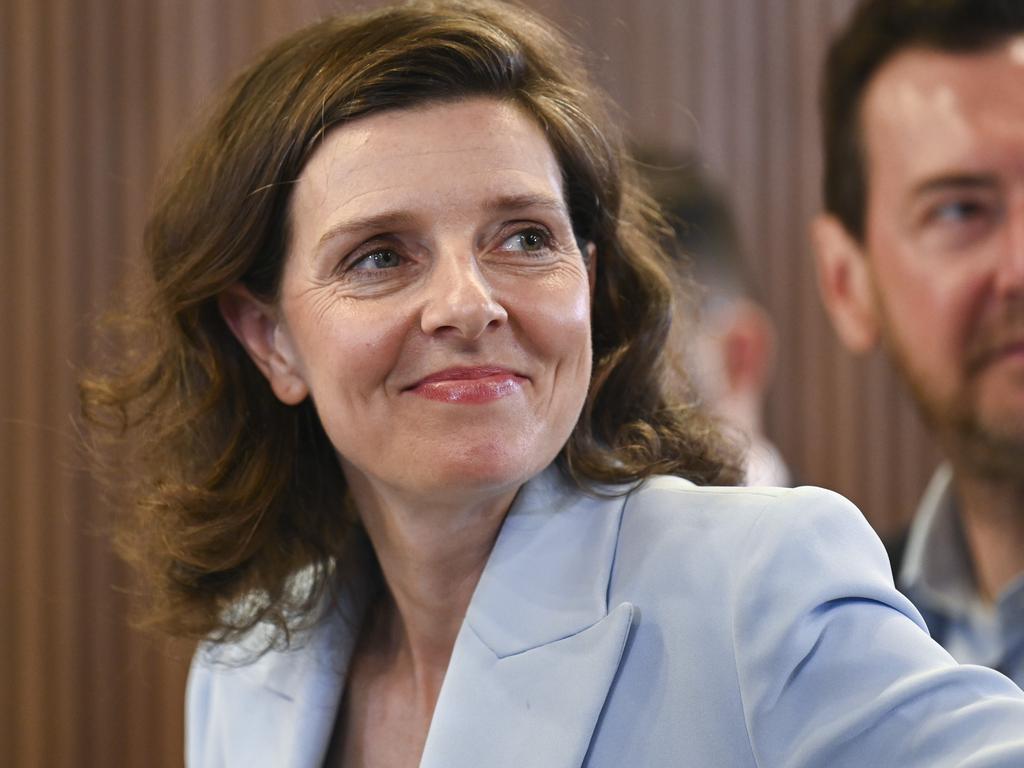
point(678, 503)
point(756, 537)
point(784, 598)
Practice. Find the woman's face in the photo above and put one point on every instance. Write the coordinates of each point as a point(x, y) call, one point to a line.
point(434, 301)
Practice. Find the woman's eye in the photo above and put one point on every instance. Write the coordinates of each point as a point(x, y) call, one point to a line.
point(383, 258)
point(529, 240)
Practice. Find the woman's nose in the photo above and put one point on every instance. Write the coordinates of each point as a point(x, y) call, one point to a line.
point(460, 299)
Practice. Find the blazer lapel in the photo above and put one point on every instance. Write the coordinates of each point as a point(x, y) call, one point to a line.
point(539, 648)
point(284, 713)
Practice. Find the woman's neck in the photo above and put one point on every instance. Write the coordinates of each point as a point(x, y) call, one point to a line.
point(431, 556)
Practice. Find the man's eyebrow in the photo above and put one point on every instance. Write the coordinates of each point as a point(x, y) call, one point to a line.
point(960, 181)
point(400, 219)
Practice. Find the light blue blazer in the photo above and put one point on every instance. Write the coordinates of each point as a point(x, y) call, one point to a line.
point(673, 626)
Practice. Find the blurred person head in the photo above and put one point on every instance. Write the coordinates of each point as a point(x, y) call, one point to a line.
point(728, 353)
point(921, 246)
point(268, 350)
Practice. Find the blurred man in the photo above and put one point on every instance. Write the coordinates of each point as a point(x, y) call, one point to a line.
point(921, 249)
point(730, 352)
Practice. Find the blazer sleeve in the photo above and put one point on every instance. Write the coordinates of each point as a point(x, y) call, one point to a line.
point(836, 667)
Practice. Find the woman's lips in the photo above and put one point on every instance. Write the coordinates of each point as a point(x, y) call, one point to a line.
point(468, 385)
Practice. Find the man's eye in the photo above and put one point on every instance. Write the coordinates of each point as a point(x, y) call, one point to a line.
point(383, 258)
point(529, 240)
point(957, 223)
point(956, 211)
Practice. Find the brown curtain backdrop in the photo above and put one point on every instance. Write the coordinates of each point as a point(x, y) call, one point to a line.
point(93, 94)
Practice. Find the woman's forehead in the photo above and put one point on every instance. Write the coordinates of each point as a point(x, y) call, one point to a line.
point(476, 151)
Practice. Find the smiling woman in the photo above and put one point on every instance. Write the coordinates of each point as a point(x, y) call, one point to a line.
point(237, 484)
point(418, 279)
point(404, 458)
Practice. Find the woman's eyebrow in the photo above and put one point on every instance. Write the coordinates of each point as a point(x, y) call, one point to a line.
point(520, 202)
point(391, 220)
point(388, 220)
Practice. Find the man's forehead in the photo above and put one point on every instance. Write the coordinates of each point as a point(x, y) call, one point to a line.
point(921, 77)
point(930, 111)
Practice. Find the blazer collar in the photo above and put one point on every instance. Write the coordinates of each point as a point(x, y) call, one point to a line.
point(547, 576)
point(288, 699)
point(531, 666)
point(538, 651)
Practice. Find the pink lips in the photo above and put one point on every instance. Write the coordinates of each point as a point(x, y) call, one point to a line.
point(482, 384)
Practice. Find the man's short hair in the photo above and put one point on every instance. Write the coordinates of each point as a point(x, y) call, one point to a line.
point(877, 31)
point(701, 238)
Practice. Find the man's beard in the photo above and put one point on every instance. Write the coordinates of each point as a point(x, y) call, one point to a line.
point(989, 446)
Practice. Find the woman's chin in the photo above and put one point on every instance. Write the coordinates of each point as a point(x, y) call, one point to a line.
point(456, 477)
point(473, 479)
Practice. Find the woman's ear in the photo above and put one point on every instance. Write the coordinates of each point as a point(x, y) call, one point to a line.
point(262, 334)
point(844, 281)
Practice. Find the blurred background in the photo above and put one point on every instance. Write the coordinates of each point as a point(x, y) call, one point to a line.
point(94, 93)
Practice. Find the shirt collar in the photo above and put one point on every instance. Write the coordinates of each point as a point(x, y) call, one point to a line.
point(765, 465)
point(936, 569)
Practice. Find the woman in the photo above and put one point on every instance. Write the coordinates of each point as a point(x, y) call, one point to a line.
point(403, 457)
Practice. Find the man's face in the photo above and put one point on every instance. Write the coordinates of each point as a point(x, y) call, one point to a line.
point(943, 250)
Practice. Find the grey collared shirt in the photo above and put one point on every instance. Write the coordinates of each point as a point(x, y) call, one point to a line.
point(937, 576)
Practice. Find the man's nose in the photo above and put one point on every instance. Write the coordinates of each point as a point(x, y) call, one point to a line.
point(1009, 278)
point(459, 298)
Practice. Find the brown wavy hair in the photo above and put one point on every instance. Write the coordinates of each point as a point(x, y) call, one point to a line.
point(232, 493)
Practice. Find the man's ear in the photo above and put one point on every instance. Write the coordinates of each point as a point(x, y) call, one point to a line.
point(590, 260)
point(844, 281)
point(259, 330)
point(748, 348)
